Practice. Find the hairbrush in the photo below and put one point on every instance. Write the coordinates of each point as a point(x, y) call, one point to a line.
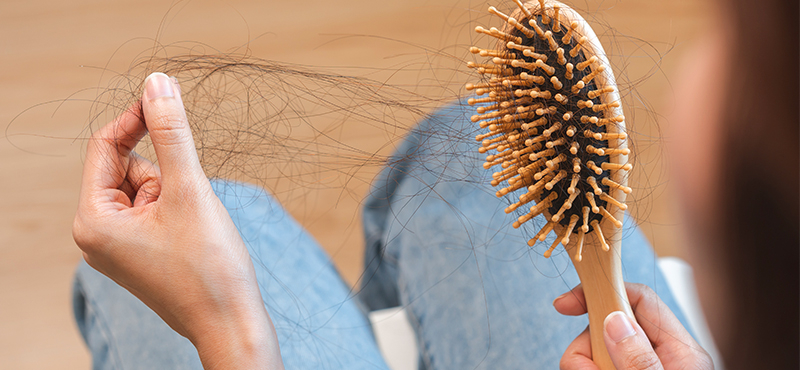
point(556, 133)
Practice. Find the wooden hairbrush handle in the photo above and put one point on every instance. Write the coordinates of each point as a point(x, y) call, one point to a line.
point(601, 278)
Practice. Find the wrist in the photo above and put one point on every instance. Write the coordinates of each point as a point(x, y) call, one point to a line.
point(241, 339)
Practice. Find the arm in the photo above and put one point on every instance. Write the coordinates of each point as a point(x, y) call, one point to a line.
point(162, 234)
point(661, 342)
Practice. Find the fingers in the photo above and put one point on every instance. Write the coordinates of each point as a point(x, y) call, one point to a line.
point(108, 150)
point(572, 303)
point(669, 338)
point(578, 355)
point(631, 348)
point(170, 132)
point(655, 318)
point(663, 333)
point(143, 183)
point(628, 345)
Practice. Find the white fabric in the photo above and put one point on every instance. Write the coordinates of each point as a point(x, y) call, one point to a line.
point(395, 338)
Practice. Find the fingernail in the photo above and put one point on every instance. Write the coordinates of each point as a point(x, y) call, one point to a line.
point(175, 82)
point(560, 297)
point(158, 85)
point(618, 326)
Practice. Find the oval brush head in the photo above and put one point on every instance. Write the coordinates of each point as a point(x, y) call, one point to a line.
point(556, 132)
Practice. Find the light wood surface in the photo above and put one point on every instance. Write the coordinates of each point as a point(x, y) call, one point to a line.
point(52, 49)
point(601, 277)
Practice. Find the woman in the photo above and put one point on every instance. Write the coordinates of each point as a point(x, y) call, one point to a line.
point(165, 235)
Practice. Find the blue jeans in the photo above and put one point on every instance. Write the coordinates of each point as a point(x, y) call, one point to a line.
point(437, 242)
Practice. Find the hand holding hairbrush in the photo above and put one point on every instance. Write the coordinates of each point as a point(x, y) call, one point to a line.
point(556, 135)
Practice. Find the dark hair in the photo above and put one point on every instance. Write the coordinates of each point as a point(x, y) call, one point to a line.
point(758, 198)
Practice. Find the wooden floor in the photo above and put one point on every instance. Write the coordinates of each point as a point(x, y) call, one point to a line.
point(50, 50)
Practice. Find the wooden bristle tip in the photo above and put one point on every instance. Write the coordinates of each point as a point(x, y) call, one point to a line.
point(600, 237)
point(553, 246)
point(579, 245)
point(573, 220)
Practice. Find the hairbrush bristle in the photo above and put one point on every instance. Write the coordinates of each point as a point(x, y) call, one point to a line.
point(555, 125)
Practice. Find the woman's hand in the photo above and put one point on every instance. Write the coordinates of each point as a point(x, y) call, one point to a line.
point(661, 342)
point(163, 234)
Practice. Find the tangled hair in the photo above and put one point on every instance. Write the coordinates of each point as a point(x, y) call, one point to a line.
point(305, 132)
point(241, 107)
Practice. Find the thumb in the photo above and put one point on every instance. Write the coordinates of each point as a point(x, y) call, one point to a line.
point(169, 130)
point(627, 344)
